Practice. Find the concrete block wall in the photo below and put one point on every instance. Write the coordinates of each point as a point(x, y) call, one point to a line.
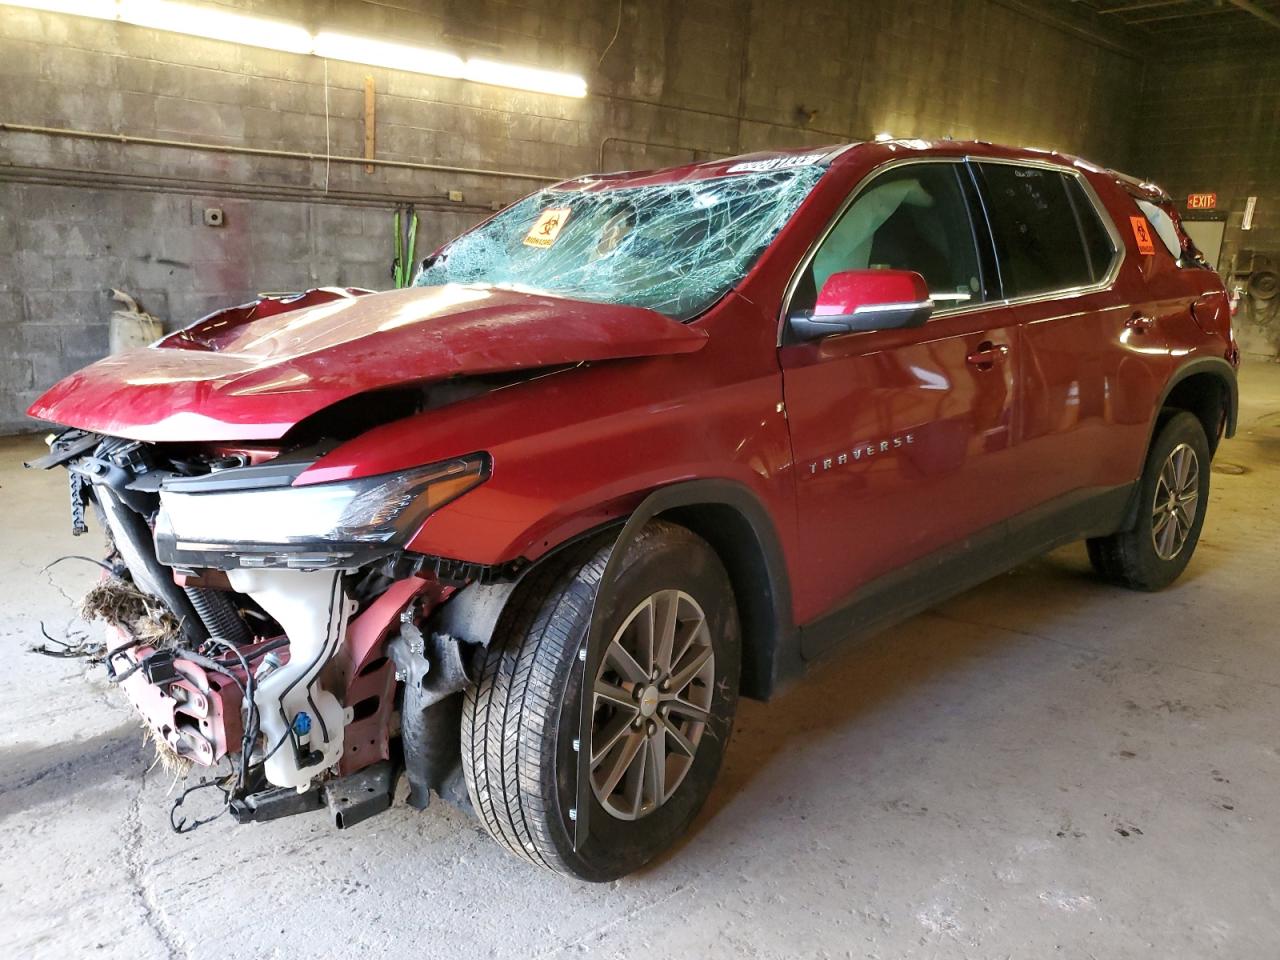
point(1211, 124)
point(671, 81)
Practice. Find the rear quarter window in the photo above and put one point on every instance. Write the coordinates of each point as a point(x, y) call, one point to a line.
point(1039, 232)
point(1163, 226)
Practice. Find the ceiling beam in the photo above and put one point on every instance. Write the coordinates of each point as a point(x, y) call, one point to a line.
point(1185, 14)
point(1040, 10)
point(1263, 15)
point(1130, 7)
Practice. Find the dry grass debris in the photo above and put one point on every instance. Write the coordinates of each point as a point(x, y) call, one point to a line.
point(143, 617)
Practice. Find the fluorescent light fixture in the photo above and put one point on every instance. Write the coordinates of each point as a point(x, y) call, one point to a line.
point(380, 53)
point(219, 23)
point(216, 24)
point(99, 9)
point(525, 78)
point(882, 137)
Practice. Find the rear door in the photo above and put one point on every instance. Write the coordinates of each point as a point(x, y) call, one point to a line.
point(1094, 355)
point(902, 439)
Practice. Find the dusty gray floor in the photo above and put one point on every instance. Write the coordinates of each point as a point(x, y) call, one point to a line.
point(1044, 767)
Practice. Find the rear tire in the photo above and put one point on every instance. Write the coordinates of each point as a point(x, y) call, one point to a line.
point(520, 718)
point(1173, 496)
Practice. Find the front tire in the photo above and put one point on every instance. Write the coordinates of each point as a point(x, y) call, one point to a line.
point(663, 708)
point(1172, 498)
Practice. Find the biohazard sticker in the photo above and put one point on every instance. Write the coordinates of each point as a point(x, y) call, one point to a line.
point(548, 226)
point(1141, 233)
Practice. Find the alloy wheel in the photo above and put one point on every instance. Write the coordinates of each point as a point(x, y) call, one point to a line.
point(1177, 496)
point(651, 700)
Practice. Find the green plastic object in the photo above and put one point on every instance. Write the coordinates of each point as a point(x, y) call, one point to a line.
point(405, 227)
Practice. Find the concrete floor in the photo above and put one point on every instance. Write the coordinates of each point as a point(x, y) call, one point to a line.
point(1045, 766)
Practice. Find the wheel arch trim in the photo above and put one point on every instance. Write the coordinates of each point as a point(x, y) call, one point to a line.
point(1222, 371)
point(769, 635)
point(667, 500)
point(752, 555)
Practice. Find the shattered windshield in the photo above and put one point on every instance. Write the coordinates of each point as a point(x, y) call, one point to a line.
point(675, 248)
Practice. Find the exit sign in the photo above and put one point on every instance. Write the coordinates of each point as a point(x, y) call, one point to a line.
point(1202, 201)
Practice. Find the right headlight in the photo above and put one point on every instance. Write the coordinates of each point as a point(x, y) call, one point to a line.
point(319, 524)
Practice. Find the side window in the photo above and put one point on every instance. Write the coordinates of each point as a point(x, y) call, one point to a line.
point(1097, 241)
point(1038, 240)
point(1163, 225)
point(910, 218)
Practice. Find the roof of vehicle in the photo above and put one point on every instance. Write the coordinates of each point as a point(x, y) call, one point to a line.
point(836, 154)
point(708, 169)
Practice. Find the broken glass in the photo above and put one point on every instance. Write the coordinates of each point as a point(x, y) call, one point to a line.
point(675, 248)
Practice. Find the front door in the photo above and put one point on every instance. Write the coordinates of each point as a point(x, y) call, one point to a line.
point(902, 439)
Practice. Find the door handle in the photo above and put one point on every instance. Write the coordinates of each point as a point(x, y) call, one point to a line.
point(988, 355)
point(1139, 323)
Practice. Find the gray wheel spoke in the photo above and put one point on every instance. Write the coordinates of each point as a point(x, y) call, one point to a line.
point(645, 630)
point(686, 709)
point(1181, 464)
point(1161, 521)
point(1167, 539)
point(1192, 481)
point(686, 635)
point(666, 607)
point(638, 780)
point(634, 785)
point(682, 742)
point(626, 755)
point(656, 765)
point(689, 670)
point(614, 695)
point(621, 660)
point(607, 739)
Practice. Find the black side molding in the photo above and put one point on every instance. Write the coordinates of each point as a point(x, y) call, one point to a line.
point(904, 592)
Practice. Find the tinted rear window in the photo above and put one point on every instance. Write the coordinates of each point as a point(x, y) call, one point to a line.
point(1036, 232)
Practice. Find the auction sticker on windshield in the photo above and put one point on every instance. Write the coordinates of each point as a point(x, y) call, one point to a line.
point(548, 226)
point(777, 163)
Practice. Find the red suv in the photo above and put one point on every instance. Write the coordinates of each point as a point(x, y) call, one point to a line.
point(637, 444)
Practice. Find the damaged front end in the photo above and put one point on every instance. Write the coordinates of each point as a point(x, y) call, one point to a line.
point(215, 460)
point(260, 625)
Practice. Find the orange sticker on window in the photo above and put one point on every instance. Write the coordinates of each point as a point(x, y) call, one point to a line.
point(1141, 233)
point(548, 226)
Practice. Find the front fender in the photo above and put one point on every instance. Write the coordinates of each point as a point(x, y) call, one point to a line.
point(726, 514)
point(576, 449)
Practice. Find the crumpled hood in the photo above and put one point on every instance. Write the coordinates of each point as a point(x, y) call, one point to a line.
point(253, 379)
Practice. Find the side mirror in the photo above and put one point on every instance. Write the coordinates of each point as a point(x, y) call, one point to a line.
point(855, 300)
